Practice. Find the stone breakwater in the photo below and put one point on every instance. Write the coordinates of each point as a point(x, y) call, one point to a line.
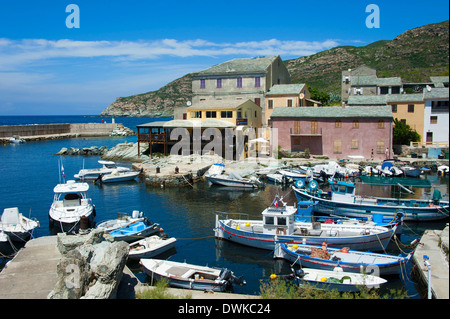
point(36, 132)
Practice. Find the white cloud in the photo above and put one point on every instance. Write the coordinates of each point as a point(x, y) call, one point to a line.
point(14, 53)
point(82, 73)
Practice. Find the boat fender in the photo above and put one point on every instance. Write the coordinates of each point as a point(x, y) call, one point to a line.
point(273, 276)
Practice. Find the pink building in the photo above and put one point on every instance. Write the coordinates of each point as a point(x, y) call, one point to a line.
point(336, 132)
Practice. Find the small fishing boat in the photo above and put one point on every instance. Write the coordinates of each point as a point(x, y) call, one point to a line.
point(93, 173)
point(151, 246)
point(15, 139)
point(410, 171)
point(71, 204)
point(118, 176)
point(122, 220)
point(17, 226)
point(293, 174)
point(443, 170)
point(313, 256)
point(279, 223)
point(234, 180)
point(134, 231)
point(188, 276)
point(306, 214)
point(342, 201)
point(336, 279)
point(279, 178)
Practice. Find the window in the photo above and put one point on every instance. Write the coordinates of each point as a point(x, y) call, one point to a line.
point(395, 90)
point(380, 147)
point(380, 123)
point(239, 82)
point(355, 144)
point(394, 108)
point(226, 114)
point(258, 101)
point(384, 90)
point(314, 127)
point(219, 83)
point(270, 220)
point(202, 83)
point(270, 104)
point(433, 119)
point(289, 102)
point(439, 106)
point(355, 124)
point(337, 146)
point(196, 114)
point(210, 114)
point(257, 82)
point(338, 124)
point(410, 108)
point(296, 127)
point(281, 221)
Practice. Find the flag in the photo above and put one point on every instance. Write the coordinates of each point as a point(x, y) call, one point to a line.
point(62, 170)
point(275, 202)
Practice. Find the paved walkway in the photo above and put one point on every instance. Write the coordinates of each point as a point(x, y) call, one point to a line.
point(31, 274)
point(429, 245)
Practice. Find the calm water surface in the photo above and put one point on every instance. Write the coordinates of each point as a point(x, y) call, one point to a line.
point(29, 172)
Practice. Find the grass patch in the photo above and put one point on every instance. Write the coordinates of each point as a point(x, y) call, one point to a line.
point(159, 291)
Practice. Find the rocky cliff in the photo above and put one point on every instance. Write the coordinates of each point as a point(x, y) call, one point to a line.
point(414, 55)
point(158, 103)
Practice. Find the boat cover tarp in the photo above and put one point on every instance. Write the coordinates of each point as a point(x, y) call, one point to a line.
point(389, 181)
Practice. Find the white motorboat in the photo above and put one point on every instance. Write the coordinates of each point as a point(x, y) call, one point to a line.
point(93, 173)
point(151, 246)
point(188, 276)
point(70, 205)
point(336, 279)
point(118, 176)
point(122, 220)
point(17, 226)
point(234, 180)
point(16, 139)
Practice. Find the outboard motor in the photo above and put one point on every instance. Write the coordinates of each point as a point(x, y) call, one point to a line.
point(299, 273)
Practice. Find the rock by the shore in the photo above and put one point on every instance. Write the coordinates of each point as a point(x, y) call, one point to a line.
point(86, 151)
point(91, 266)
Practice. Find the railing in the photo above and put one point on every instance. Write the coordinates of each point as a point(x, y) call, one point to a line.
point(430, 144)
point(296, 131)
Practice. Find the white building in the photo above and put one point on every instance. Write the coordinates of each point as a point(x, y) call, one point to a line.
point(436, 118)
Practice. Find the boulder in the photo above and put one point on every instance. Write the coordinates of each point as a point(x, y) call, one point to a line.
point(91, 266)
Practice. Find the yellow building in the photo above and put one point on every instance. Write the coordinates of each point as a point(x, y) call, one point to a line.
point(410, 109)
point(236, 112)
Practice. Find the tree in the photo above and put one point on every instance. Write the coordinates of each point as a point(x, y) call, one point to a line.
point(321, 96)
point(403, 134)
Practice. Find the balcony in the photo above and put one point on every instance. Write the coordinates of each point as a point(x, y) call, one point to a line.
point(296, 132)
point(241, 122)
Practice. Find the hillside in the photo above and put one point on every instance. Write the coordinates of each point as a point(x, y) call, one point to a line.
point(414, 55)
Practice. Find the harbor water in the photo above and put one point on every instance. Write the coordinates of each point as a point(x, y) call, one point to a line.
point(29, 172)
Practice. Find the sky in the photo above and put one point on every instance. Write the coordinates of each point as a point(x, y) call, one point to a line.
point(58, 59)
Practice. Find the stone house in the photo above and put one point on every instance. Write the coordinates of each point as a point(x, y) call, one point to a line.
point(337, 132)
point(238, 80)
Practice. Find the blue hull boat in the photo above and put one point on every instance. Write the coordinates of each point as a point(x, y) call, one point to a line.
point(135, 231)
point(312, 256)
point(342, 201)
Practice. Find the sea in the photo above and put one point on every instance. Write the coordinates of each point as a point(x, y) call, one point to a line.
point(30, 171)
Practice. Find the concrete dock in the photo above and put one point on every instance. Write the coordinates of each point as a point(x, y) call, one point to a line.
point(31, 274)
point(434, 244)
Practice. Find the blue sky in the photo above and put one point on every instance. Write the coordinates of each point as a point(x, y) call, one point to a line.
point(130, 47)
